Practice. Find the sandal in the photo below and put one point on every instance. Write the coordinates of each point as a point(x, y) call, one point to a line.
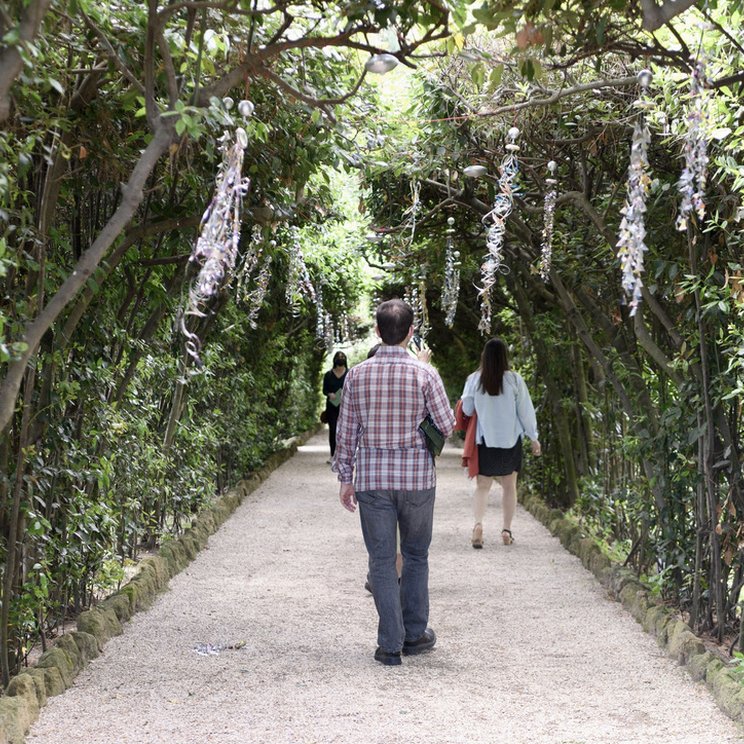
point(477, 539)
point(507, 537)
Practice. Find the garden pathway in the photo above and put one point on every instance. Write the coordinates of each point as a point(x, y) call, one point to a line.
point(530, 647)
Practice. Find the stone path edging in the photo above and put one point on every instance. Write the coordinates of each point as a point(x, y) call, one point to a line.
point(57, 667)
point(673, 635)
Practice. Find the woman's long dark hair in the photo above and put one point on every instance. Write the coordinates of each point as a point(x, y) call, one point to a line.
point(494, 362)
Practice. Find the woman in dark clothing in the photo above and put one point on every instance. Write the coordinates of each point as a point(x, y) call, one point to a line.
point(333, 382)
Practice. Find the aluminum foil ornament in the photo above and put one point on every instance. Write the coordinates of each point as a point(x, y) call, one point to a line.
point(632, 239)
point(546, 257)
point(216, 247)
point(415, 207)
point(691, 184)
point(320, 313)
point(255, 298)
point(299, 284)
point(415, 296)
point(329, 332)
point(496, 220)
point(451, 289)
point(250, 261)
point(424, 327)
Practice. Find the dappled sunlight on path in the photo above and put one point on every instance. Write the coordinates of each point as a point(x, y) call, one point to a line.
point(530, 648)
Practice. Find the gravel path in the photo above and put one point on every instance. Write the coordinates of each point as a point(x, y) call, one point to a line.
point(530, 648)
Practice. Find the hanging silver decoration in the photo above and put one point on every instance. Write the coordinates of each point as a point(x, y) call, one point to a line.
point(423, 327)
point(299, 284)
point(255, 298)
point(474, 171)
point(551, 195)
point(691, 183)
point(415, 207)
point(496, 219)
point(632, 239)
point(451, 289)
point(250, 261)
point(381, 63)
point(411, 298)
point(320, 313)
point(415, 296)
point(216, 248)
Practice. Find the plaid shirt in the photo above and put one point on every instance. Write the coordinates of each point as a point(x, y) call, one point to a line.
point(377, 439)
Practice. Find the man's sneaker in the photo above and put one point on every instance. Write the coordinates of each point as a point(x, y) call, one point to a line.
point(427, 641)
point(388, 658)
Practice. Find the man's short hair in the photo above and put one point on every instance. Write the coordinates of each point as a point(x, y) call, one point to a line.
point(394, 320)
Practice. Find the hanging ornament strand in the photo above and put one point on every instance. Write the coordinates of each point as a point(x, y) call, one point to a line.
point(255, 298)
point(502, 207)
point(691, 184)
point(631, 244)
point(299, 284)
point(250, 261)
point(415, 207)
point(424, 327)
point(217, 245)
point(451, 289)
point(546, 258)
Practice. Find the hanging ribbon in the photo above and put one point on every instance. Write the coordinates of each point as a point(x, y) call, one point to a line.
point(502, 207)
point(691, 184)
point(632, 238)
point(546, 258)
point(451, 289)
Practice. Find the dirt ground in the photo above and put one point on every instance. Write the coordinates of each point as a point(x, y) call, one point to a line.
point(530, 647)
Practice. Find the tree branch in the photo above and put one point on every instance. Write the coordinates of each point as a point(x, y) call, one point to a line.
point(131, 199)
point(304, 97)
point(111, 52)
point(557, 95)
point(655, 16)
point(11, 61)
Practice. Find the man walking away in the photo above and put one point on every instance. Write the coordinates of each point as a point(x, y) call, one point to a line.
point(383, 465)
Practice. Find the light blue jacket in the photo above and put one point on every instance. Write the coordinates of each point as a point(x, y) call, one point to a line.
point(502, 418)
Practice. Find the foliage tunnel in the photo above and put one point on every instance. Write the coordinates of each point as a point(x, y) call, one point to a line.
point(112, 115)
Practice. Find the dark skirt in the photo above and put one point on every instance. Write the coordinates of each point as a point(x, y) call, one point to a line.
point(493, 461)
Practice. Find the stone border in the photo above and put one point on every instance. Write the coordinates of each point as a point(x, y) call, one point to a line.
point(672, 634)
point(57, 667)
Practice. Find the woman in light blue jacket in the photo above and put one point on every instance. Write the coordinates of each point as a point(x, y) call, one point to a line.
point(505, 412)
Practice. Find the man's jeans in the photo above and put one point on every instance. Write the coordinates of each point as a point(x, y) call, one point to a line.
point(404, 609)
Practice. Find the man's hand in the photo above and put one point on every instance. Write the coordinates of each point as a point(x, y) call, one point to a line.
point(536, 448)
point(347, 497)
point(424, 355)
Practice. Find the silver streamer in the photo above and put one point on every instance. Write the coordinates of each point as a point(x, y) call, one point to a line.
point(551, 195)
point(415, 208)
point(320, 313)
point(502, 207)
point(691, 183)
point(410, 297)
point(255, 298)
point(217, 245)
point(250, 261)
point(415, 296)
point(424, 327)
point(298, 277)
point(329, 332)
point(451, 289)
point(631, 244)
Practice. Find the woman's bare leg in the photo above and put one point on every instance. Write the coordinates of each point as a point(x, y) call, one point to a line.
point(509, 498)
point(480, 497)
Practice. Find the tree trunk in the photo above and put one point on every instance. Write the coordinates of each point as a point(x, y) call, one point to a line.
point(133, 195)
point(11, 61)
